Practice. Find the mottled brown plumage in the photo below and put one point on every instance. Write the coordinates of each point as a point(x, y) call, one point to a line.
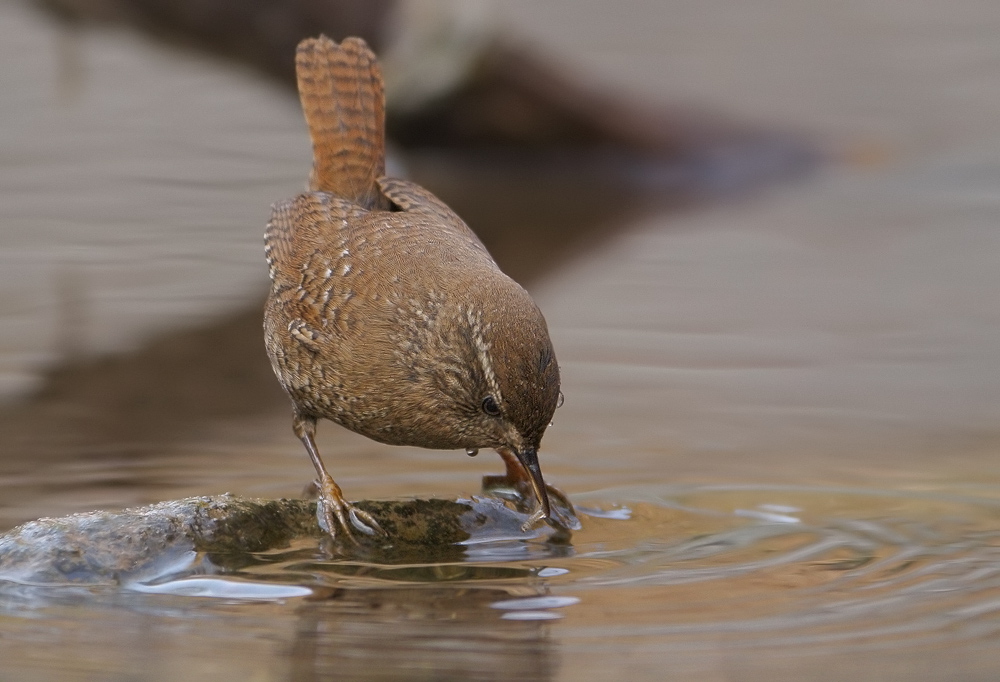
point(386, 313)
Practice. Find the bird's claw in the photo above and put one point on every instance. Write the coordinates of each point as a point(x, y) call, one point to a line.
point(335, 513)
point(364, 521)
point(532, 520)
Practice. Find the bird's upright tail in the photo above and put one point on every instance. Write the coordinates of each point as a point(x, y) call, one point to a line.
point(343, 99)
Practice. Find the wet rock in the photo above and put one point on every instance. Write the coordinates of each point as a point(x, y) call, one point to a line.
point(113, 547)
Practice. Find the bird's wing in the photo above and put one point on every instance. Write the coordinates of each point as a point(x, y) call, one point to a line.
point(301, 229)
point(411, 198)
point(306, 248)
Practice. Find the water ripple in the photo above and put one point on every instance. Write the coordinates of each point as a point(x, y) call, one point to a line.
point(851, 567)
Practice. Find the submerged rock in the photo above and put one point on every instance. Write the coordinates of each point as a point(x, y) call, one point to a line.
point(113, 547)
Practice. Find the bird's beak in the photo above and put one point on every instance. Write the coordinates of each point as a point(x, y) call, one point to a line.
point(528, 456)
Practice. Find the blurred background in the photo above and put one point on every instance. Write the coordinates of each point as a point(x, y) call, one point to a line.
point(765, 237)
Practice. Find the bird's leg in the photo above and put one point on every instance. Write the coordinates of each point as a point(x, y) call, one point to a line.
point(331, 504)
point(518, 479)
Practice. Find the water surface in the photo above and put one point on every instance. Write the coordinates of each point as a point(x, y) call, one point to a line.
point(781, 405)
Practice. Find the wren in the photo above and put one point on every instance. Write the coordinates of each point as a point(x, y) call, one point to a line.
point(386, 313)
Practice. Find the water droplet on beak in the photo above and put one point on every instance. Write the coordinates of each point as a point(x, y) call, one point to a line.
point(471, 452)
point(562, 399)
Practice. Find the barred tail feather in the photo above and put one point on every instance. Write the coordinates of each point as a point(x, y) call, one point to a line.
point(343, 98)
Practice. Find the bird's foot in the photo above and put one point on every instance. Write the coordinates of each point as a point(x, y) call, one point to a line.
point(333, 512)
point(519, 491)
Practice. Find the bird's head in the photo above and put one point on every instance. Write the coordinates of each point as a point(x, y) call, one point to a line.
point(490, 366)
point(517, 385)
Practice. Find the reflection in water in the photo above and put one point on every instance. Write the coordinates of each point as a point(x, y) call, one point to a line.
point(405, 634)
point(417, 634)
point(694, 570)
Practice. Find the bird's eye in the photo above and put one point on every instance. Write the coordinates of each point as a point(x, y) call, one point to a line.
point(490, 406)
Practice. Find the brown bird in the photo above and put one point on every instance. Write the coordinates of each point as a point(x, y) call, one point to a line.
point(386, 313)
